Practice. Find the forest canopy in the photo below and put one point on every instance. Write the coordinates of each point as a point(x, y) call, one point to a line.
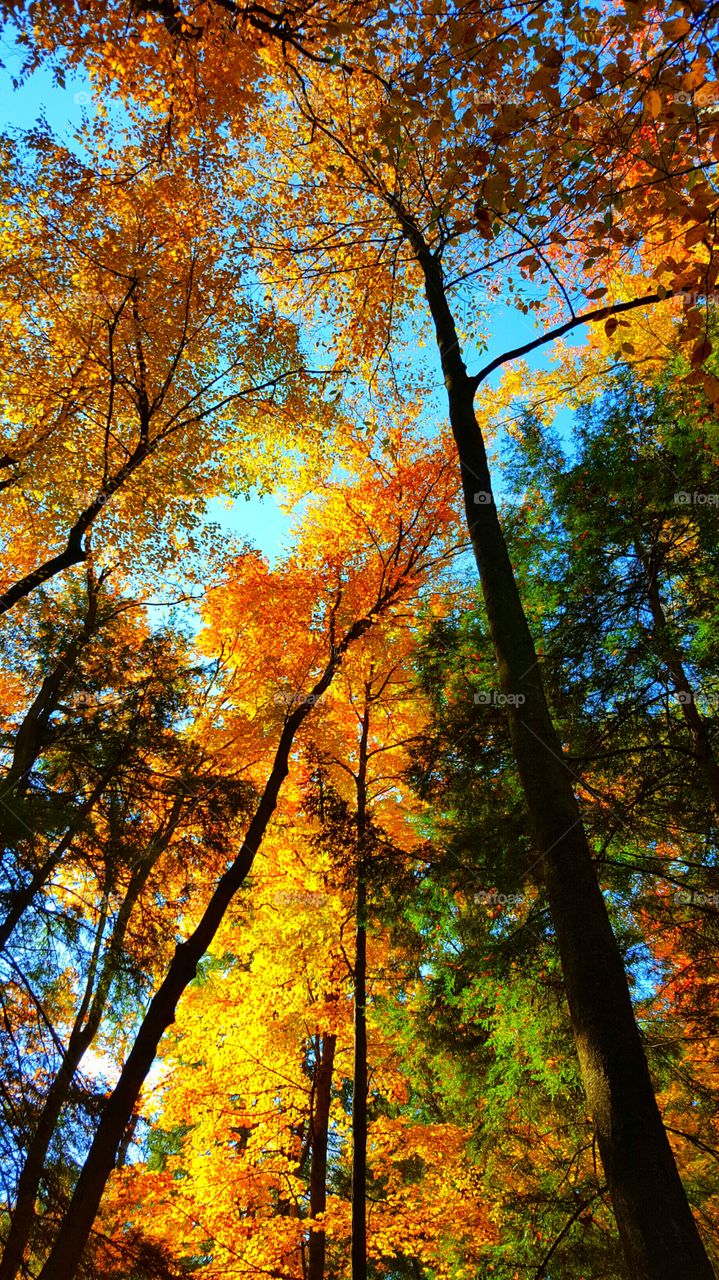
point(359, 503)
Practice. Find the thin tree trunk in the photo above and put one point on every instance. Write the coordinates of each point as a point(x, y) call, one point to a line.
point(359, 1087)
point(30, 737)
point(359, 1091)
point(23, 897)
point(87, 1023)
point(658, 1233)
point(76, 549)
point(672, 659)
point(318, 1157)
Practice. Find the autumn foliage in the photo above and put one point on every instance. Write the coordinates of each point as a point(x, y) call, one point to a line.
point(360, 648)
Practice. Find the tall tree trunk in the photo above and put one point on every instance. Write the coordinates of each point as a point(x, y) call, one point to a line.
point(359, 1090)
point(87, 1024)
point(359, 1087)
point(318, 1158)
point(77, 1223)
point(658, 1233)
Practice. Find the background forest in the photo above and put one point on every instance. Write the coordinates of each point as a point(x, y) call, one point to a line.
point(359, 912)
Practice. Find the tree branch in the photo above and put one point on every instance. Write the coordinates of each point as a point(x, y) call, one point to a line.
point(599, 313)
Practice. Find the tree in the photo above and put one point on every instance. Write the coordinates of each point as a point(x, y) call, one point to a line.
point(153, 352)
point(373, 138)
point(240, 1108)
point(390, 203)
point(332, 600)
point(96, 897)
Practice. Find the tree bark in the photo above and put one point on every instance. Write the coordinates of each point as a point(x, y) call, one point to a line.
point(87, 1023)
point(658, 1233)
point(359, 1091)
point(318, 1157)
point(359, 1086)
point(76, 550)
point(77, 1223)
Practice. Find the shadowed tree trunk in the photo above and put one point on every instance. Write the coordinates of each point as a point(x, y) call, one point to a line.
point(318, 1158)
point(86, 1026)
point(22, 897)
point(658, 1233)
point(31, 735)
point(359, 1088)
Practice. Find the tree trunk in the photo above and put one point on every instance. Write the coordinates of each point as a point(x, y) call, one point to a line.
point(359, 1087)
point(87, 1023)
point(359, 1091)
point(77, 1223)
point(30, 737)
point(658, 1233)
point(672, 659)
point(318, 1158)
point(76, 551)
point(22, 898)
